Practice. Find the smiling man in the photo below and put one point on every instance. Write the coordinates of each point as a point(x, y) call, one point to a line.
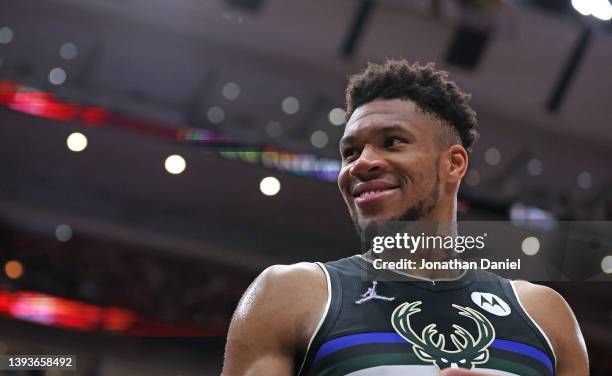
point(404, 153)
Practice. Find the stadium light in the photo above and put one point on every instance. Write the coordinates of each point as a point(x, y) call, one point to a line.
point(76, 142)
point(601, 9)
point(175, 164)
point(269, 186)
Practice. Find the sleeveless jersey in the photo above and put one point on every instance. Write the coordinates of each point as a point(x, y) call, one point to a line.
point(401, 325)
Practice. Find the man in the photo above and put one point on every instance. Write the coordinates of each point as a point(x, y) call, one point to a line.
point(404, 153)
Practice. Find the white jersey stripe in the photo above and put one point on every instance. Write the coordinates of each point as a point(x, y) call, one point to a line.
point(535, 323)
point(329, 297)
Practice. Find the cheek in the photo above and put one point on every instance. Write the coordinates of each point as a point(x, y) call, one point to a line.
point(344, 181)
point(422, 178)
point(427, 183)
point(420, 174)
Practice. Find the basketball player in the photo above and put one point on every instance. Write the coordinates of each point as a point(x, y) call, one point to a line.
point(404, 153)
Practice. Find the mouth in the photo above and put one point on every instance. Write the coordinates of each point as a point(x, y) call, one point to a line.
point(370, 197)
point(369, 193)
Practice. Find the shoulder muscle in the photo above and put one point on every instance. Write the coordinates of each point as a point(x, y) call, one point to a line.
point(274, 318)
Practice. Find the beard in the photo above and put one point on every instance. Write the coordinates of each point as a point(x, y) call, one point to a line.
point(414, 213)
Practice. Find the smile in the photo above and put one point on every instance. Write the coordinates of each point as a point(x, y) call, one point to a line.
point(366, 198)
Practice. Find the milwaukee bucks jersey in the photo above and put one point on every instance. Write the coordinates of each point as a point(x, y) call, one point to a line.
point(379, 322)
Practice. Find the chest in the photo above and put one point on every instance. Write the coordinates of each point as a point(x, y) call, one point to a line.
point(398, 325)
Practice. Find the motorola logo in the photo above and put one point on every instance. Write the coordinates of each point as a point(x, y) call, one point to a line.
point(491, 303)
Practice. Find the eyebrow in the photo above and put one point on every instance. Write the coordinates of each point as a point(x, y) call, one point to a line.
point(385, 129)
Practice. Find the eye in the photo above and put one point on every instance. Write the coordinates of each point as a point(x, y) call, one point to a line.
point(349, 153)
point(444, 360)
point(462, 361)
point(393, 141)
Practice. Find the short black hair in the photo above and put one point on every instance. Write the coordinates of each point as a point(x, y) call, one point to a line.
point(429, 88)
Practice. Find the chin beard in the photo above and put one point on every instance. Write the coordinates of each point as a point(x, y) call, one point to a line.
point(413, 214)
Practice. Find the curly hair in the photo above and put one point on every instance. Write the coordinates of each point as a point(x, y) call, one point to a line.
point(428, 88)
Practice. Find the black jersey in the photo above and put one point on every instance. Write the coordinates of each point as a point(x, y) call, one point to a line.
point(385, 323)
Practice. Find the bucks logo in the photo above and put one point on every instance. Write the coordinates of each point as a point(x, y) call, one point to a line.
point(430, 346)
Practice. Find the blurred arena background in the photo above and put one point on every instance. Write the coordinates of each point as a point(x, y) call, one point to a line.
point(135, 137)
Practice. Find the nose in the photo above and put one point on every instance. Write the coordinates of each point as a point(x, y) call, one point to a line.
point(368, 165)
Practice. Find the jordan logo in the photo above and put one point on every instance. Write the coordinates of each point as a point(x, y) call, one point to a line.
point(371, 294)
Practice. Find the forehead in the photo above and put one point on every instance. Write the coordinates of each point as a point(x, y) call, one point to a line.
point(381, 113)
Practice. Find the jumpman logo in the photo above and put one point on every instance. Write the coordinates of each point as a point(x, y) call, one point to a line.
point(371, 294)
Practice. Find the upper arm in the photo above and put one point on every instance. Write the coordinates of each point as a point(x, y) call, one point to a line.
point(552, 313)
point(272, 320)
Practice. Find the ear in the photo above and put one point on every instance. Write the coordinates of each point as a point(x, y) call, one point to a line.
point(456, 163)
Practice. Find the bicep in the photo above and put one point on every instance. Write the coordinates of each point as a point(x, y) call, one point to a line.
point(249, 356)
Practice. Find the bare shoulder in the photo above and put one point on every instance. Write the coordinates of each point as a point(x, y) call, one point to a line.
point(275, 318)
point(540, 297)
point(554, 315)
point(280, 279)
point(282, 287)
point(546, 306)
point(284, 294)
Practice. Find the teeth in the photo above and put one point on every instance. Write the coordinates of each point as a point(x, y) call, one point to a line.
point(365, 194)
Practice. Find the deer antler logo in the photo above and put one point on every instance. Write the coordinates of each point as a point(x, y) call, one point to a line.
point(430, 345)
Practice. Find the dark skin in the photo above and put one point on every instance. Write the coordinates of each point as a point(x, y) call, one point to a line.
point(400, 152)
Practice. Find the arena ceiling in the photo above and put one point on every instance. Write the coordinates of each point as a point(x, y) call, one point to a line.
point(168, 62)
